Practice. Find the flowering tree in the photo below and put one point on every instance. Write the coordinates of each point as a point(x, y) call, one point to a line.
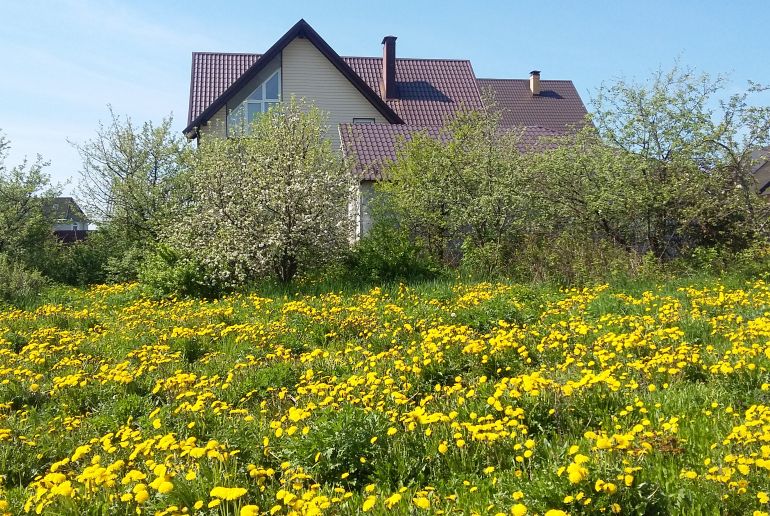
point(273, 200)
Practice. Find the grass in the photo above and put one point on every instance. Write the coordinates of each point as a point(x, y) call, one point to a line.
point(635, 398)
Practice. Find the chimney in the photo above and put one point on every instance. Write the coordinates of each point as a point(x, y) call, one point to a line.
point(534, 82)
point(389, 67)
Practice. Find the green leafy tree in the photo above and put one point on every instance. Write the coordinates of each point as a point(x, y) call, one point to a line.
point(665, 168)
point(463, 185)
point(133, 177)
point(273, 201)
point(26, 235)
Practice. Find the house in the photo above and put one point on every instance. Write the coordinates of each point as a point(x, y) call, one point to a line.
point(68, 221)
point(761, 169)
point(372, 103)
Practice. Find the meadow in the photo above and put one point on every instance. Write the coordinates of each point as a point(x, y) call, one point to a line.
point(446, 397)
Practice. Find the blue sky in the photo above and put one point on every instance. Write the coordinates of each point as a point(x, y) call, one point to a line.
point(64, 61)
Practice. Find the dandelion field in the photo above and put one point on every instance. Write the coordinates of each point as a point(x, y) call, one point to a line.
point(447, 397)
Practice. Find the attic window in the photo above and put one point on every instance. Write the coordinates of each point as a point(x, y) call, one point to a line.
point(265, 96)
point(363, 120)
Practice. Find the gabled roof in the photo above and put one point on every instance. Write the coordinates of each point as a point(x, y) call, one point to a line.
point(300, 29)
point(558, 106)
point(374, 145)
point(428, 90)
point(62, 208)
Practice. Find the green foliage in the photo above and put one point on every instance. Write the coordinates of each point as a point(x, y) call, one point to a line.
point(464, 185)
point(18, 284)
point(133, 177)
point(168, 271)
point(337, 443)
point(387, 253)
point(26, 234)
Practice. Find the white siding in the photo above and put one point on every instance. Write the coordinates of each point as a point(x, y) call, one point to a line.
point(307, 74)
point(215, 126)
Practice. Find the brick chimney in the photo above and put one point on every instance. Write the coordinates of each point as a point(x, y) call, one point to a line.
point(534, 82)
point(389, 67)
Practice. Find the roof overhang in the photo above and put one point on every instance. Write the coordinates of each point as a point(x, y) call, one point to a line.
point(299, 30)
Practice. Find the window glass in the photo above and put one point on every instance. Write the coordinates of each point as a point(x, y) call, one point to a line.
point(271, 88)
point(254, 109)
point(256, 94)
point(268, 105)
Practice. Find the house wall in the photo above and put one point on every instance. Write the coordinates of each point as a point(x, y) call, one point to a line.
point(306, 73)
point(364, 223)
point(762, 176)
point(215, 126)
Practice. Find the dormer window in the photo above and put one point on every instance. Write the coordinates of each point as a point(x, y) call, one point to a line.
point(265, 96)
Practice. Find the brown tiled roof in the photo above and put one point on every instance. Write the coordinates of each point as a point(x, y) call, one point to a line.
point(558, 106)
point(212, 73)
point(374, 145)
point(428, 91)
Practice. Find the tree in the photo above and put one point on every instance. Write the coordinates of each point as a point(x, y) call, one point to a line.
point(23, 189)
point(132, 176)
point(460, 185)
point(665, 168)
point(273, 201)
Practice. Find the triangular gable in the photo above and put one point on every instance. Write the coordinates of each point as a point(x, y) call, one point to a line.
point(300, 29)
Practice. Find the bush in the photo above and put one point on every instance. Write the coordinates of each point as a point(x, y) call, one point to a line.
point(485, 261)
point(572, 259)
point(168, 272)
point(18, 284)
point(387, 253)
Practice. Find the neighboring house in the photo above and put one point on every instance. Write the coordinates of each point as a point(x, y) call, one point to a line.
point(69, 223)
point(761, 169)
point(372, 103)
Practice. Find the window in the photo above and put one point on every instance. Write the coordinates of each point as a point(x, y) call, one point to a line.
point(75, 226)
point(363, 120)
point(265, 96)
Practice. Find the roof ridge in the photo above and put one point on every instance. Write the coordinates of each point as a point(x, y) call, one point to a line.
point(412, 58)
point(527, 79)
point(226, 53)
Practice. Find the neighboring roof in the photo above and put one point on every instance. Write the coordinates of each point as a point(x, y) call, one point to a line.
point(69, 236)
point(760, 158)
point(558, 106)
point(62, 208)
point(212, 73)
point(374, 145)
point(300, 29)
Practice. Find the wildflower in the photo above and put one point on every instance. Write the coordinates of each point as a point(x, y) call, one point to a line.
point(392, 500)
point(421, 502)
point(249, 510)
point(228, 493)
point(519, 509)
point(368, 503)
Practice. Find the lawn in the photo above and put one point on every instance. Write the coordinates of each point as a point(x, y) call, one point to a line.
point(440, 397)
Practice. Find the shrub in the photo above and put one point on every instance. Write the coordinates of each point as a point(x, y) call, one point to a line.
point(168, 272)
point(18, 284)
point(387, 253)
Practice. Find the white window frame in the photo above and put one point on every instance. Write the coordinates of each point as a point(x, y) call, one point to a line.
point(244, 105)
